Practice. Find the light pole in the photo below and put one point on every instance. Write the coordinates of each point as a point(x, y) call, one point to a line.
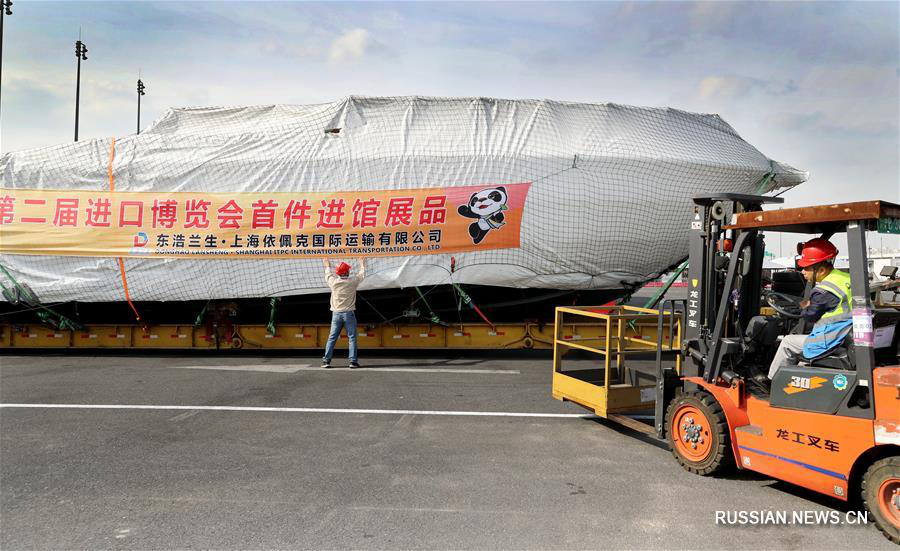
point(140, 92)
point(5, 9)
point(80, 54)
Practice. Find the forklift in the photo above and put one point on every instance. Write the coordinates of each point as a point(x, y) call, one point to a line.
point(830, 424)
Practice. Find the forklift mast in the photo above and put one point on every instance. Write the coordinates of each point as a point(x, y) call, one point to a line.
point(712, 276)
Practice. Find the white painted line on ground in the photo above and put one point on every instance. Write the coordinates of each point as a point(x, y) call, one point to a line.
point(294, 368)
point(271, 368)
point(375, 369)
point(303, 410)
point(183, 416)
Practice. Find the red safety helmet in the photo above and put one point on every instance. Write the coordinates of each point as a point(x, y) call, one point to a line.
point(815, 251)
point(343, 269)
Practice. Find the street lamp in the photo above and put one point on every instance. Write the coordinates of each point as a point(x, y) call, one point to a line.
point(80, 54)
point(140, 92)
point(5, 9)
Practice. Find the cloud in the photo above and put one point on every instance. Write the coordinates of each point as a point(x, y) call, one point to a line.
point(349, 46)
point(721, 86)
point(735, 86)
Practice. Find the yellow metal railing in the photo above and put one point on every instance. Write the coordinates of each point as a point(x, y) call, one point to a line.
point(614, 333)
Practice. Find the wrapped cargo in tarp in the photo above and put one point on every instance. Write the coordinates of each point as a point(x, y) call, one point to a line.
point(603, 198)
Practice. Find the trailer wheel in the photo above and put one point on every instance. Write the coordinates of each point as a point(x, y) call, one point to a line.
point(881, 495)
point(698, 434)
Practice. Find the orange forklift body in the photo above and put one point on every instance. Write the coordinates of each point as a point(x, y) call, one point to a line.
point(817, 451)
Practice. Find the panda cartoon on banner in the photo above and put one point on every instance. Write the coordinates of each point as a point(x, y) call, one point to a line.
point(487, 207)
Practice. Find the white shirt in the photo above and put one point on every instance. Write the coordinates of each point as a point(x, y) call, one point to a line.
point(343, 289)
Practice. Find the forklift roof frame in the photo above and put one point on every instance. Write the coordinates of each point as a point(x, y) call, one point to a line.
point(821, 219)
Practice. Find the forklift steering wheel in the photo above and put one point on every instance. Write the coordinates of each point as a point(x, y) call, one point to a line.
point(786, 305)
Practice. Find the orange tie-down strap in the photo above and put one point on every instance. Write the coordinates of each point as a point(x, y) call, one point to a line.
point(125, 286)
point(112, 187)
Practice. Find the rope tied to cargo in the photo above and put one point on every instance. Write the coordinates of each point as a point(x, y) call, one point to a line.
point(466, 299)
point(434, 318)
point(112, 188)
point(766, 178)
point(202, 314)
point(270, 327)
point(22, 294)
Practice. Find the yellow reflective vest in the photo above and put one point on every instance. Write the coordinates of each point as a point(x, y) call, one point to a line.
point(838, 284)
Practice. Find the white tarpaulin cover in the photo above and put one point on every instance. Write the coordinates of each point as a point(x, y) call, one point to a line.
point(610, 199)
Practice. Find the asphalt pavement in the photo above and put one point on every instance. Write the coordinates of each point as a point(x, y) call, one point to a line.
point(421, 452)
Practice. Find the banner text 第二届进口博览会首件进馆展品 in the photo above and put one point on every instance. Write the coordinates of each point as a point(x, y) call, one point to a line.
point(272, 225)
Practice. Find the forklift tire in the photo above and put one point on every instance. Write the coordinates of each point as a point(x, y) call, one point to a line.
point(698, 434)
point(881, 495)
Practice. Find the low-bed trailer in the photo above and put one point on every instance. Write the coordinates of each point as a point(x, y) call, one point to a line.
point(259, 337)
point(831, 424)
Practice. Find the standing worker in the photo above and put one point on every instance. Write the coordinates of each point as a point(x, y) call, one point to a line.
point(828, 307)
point(343, 307)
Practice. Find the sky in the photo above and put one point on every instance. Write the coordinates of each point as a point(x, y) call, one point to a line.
point(811, 84)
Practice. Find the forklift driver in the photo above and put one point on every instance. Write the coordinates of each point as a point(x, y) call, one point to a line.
point(828, 307)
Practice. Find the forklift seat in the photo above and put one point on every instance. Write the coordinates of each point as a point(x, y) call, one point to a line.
point(840, 357)
point(887, 339)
